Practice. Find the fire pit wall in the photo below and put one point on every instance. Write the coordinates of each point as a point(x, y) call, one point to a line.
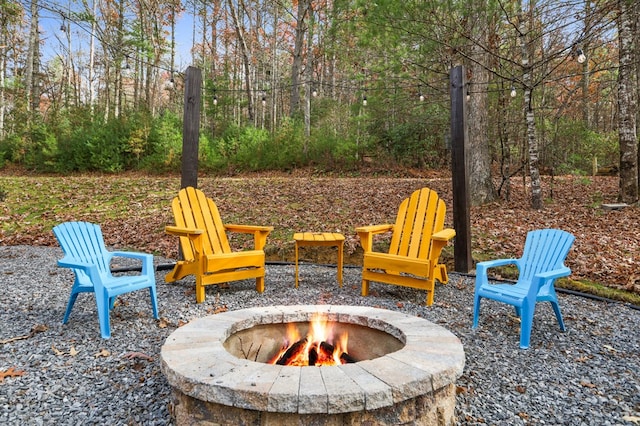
point(405, 374)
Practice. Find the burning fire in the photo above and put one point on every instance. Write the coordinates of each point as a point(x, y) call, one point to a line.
point(318, 348)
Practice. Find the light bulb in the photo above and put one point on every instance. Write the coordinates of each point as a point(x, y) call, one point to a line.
point(215, 100)
point(314, 93)
point(513, 92)
point(581, 56)
point(264, 100)
point(364, 100)
point(421, 97)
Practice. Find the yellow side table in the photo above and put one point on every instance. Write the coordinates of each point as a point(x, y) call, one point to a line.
point(326, 239)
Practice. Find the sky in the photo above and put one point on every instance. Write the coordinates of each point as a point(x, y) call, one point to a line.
point(55, 40)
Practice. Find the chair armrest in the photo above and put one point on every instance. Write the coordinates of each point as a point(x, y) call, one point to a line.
point(68, 262)
point(182, 232)
point(145, 258)
point(556, 273)
point(444, 235)
point(193, 234)
point(438, 241)
point(482, 267)
point(542, 284)
point(88, 268)
point(260, 233)
point(374, 229)
point(497, 262)
point(366, 234)
point(247, 229)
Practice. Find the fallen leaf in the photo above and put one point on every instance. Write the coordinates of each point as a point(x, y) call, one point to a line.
point(163, 323)
point(73, 351)
point(11, 372)
point(634, 419)
point(220, 309)
point(461, 389)
point(132, 355)
point(56, 351)
point(103, 352)
point(587, 384)
point(521, 389)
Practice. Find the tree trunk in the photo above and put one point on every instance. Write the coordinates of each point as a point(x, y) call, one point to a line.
point(33, 59)
point(307, 86)
point(245, 59)
point(480, 184)
point(586, 113)
point(92, 54)
point(627, 105)
point(301, 27)
point(529, 114)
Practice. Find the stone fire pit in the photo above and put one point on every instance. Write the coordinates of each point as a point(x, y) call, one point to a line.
point(406, 370)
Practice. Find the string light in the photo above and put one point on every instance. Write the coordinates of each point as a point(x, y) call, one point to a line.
point(421, 97)
point(513, 92)
point(364, 100)
point(581, 56)
point(314, 92)
point(264, 100)
point(215, 100)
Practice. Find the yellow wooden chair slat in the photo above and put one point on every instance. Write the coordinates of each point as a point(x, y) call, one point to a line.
point(418, 237)
point(205, 248)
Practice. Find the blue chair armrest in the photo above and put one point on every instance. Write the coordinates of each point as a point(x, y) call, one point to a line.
point(90, 269)
point(556, 273)
point(542, 285)
point(146, 258)
point(483, 267)
point(68, 262)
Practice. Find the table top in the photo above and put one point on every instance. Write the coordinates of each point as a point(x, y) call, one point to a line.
point(318, 236)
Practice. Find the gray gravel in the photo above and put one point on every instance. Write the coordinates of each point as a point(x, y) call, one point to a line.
point(588, 375)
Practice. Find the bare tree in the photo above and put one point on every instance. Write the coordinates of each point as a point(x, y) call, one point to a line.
point(9, 19)
point(33, 60)
point(480, 183)
point(246, 61)
point(304, 8)
point(627, 102)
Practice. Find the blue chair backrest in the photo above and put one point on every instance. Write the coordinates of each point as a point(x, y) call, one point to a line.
point(544, 250)
point(83, 241)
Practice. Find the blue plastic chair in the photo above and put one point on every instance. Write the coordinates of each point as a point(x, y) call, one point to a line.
point(541, 263)
point(86, 254)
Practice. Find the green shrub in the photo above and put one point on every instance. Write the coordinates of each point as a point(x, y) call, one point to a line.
point(163, 149)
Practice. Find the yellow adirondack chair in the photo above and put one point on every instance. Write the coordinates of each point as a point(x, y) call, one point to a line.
point(205, 247)
point(416, 243)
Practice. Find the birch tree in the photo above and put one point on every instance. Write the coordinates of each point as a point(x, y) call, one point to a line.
point(32, 94)
point(627, 102)
point(304, 9)
point(10, 15)
point(526, 36)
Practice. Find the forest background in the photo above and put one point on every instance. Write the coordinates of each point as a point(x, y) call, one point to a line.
point(335, 87)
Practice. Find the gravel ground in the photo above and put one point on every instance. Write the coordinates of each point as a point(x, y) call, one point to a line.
point(68, 375)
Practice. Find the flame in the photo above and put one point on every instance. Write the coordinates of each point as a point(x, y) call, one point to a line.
point(317, 348)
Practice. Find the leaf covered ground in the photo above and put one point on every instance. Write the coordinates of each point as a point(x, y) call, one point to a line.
point(134, 209)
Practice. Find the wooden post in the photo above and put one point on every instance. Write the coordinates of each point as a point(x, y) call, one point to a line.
point(191, 127)
point(459, 172)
